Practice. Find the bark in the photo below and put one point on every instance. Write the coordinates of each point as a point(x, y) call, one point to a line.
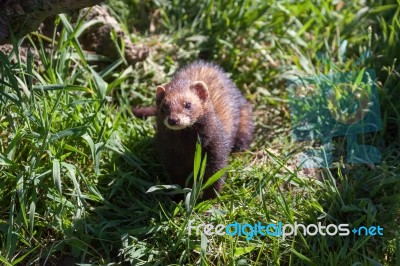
point(25, 16)
point(97, 38)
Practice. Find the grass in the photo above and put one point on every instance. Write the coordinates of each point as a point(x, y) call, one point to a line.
point(79, 175)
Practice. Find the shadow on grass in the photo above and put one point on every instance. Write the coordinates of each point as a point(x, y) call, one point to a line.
point(126, 226)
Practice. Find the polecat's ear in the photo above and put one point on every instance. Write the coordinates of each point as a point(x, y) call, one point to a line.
point(201, 89)
point(160, 93)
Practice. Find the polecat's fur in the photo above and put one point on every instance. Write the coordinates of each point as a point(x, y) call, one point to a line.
point(201, 100)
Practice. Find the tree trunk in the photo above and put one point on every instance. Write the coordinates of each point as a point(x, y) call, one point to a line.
point(25, 16)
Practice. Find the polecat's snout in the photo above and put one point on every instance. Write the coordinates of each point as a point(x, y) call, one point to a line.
point(173, 121)
point(177, 122)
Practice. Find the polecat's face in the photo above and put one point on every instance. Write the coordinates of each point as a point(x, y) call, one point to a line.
point(180, 109)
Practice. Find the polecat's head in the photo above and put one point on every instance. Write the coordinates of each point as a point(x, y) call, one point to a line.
point(181, 107)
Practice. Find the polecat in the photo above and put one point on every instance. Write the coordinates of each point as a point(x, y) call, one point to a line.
point(201, 100)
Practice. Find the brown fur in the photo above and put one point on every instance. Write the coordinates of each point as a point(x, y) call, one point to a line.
point(201, 101)
point(143, 112)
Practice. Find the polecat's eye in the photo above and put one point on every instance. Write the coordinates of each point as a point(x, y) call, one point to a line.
point(188, 105)
point(165, 108)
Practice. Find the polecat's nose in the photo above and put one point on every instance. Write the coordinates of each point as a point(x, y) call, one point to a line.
point(173, 122)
